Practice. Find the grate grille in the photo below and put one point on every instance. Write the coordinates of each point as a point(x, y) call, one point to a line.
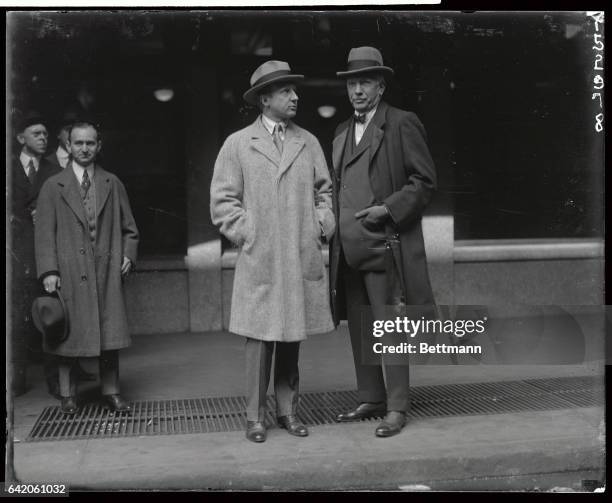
point(206, 415)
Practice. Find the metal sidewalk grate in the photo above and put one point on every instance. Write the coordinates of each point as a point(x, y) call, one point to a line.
point(205, 415)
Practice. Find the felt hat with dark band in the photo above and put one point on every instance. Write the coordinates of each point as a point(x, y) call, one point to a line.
point(50, 317)
point(364, 60)
point(268, 73)
point(30, 118)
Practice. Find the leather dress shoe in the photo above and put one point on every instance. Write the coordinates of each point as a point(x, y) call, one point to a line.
point(392, 424)
point(292, 425)
point(116, 403)
point(364, 410)
point(256, 431)
point(69, 405)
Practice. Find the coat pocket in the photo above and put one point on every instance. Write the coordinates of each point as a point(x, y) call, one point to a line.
point(311, 255)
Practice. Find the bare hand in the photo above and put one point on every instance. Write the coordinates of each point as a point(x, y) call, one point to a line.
point(51, 283)
point(373, 217)
point(126, 266)
point(34, 216)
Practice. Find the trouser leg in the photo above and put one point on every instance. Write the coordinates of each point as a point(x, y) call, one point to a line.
point(50, 364)
point(67, 376)
point(109, 372)
point(286, 377)
point(397, 374)
point(258, 365)
point(370, 381)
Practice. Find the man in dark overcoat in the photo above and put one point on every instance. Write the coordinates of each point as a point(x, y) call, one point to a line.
point(86, 243)
point(29, 170)
point(384, 179)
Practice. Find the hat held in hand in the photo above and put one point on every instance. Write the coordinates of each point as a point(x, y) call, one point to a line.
point(50, 317)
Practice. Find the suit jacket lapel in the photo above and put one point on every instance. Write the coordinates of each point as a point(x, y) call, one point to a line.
point(292, 146)
point(19, 175)
point(69, 190)
point(103, 187)
point(378, 123)
point(261, 140)
point(337, 149)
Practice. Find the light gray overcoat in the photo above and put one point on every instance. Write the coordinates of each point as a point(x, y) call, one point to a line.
point(265, 204)
point(90, 276)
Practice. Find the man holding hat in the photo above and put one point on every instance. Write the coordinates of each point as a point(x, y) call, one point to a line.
point(271, 197)
point(384, 178)
point(29, 171)
point(86, 243)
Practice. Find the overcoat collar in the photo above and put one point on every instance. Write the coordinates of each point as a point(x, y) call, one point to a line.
point(261, 140)
point(71, 194)
point(377, 123)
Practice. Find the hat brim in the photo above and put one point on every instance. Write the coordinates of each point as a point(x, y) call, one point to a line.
point(367, 69)
point(250, 96)
point(38, 322)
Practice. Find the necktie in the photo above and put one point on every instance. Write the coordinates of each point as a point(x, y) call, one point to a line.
point(31, 171)
point(360, 118)
point(85, 183)
point(277, 136)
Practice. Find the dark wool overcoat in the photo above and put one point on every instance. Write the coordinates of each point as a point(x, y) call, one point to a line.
point(91, 282)
point(402, 175)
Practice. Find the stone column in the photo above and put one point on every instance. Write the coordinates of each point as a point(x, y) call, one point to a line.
point(204, 245)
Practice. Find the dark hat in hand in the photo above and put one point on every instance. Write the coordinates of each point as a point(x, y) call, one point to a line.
point(50, 317)
point(364, 60)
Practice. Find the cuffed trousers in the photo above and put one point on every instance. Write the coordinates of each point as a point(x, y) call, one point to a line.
point(109, 374)
point(369, 288)
point(286, 376)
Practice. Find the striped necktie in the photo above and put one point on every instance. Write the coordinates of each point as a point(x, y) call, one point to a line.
point(278, 136)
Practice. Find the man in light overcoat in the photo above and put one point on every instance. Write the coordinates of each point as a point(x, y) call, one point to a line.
point(86, 243)
point(385, 177)
point(271, 197)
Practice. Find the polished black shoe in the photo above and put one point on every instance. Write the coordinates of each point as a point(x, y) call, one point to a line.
point(392, 424)
point(69, 405)
point(116, 403)
point(365, 410)
point(292, 425)
point(83, 375)
point(256, 431)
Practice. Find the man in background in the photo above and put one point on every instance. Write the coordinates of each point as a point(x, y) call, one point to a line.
point(29, 170)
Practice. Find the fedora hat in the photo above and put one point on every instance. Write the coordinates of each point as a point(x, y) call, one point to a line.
point(364, 60)
point(27, 119)
point(268, 73)
point(50, 317)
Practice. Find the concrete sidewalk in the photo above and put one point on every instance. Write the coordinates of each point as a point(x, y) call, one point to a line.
point(526, 450)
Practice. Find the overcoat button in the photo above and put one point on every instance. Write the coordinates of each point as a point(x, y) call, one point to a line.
point(82, 251)
point(83, 278)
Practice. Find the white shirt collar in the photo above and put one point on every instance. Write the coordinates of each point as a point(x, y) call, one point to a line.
point(79, 170)
point(368, 115)
point(25, 160)
point(269, 124)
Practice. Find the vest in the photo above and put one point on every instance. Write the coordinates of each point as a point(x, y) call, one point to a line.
point(363, 250)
